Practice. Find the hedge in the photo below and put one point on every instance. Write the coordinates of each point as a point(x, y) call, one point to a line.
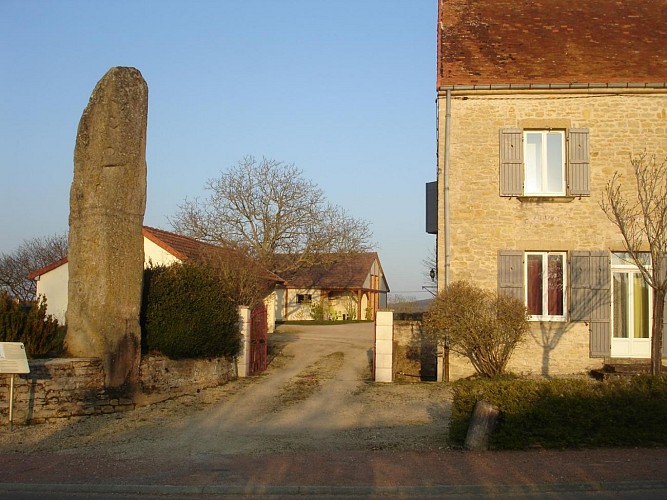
point(566, 413)
point(187, 312)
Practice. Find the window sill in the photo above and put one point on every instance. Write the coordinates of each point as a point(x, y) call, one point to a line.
point(546, 199)
point(555, 319)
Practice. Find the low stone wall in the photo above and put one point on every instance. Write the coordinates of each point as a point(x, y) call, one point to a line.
point(414, 356)
point(59, 388)
point(161, 376)
point(74, 387)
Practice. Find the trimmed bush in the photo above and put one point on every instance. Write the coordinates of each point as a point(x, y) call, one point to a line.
point(479, 324)
point(188, 313)
point(566, 413)
point(29, 323)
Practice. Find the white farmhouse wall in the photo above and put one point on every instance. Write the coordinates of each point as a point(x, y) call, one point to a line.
point(279, 305)
point(156, 255)
point(287, 308)
point(53, 286)
point(270, 303)
point(54, 283)
point(364, 306)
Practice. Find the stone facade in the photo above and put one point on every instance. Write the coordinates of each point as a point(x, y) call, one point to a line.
point(620, 122)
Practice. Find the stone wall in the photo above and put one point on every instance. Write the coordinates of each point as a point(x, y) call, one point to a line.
point(163, 376)
point(414, 357)
point(74, 387)
point(481, 222)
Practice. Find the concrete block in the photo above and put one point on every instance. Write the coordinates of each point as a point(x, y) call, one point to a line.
point(383, 361)
point(383, 375)
point(384, 332)
point(384, 318)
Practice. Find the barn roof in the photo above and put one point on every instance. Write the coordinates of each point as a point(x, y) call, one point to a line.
point(348, 271)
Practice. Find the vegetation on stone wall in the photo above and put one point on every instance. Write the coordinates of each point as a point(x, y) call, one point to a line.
point(187, 312)
point(479, 324)
point(28, 323)
point(566, 413)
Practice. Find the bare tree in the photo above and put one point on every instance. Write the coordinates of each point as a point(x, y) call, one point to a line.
point(269, 209)
point(29, 256)
point(642, 221)
point(242, 275)
point(429, 268)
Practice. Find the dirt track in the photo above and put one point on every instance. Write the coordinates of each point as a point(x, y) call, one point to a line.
point(315, 396)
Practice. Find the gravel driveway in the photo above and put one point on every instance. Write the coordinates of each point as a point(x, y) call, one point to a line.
point(316, 396)
point(312, 425)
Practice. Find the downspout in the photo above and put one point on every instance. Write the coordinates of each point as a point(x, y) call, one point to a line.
point(444, 283)
point(448, 124)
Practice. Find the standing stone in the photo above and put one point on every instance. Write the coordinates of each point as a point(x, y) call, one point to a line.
point(107, 204)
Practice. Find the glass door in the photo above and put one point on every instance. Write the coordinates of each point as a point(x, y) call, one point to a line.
point(632, 304)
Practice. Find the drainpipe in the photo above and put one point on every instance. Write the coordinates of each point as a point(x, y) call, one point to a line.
point(444, 374)
point(448, 124)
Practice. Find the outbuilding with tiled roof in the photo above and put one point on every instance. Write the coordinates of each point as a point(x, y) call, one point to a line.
point(346, 287)
point(160, 248)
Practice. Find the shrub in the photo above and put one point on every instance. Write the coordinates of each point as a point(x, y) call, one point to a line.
point(479, 324)
point(566, 413)
point(317, 310)
point(188, 313)
point(29, 324)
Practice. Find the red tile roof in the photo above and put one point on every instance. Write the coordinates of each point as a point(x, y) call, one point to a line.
point(181, 247)
point(500, 42)
point(49, 267)
point(349, 272)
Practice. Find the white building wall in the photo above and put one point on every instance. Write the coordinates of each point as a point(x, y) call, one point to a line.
point(53, 286)
point(156, 255)
point(270, 303)
point(295, 311)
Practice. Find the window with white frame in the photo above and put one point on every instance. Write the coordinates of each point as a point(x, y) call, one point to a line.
point(545, 285)
point(544, 162)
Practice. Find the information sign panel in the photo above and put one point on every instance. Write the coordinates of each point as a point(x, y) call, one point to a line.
point(13, 358)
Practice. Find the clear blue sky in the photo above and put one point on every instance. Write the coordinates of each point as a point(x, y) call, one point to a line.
point(344, 89)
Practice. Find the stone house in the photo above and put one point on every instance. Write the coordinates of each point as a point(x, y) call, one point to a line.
point(353, 287)
point(160, 248)
point(539, 103)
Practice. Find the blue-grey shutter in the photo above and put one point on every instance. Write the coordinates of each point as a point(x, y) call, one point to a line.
point(579, 171)
point(600, 322)
point(511, 162)
point(590, 297)
point(432, 207)
point(580, 286)
point(510, 273)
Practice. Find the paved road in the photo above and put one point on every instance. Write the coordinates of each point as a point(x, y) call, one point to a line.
point(332, 444)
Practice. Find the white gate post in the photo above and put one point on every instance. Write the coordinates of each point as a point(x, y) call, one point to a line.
point(243, 358)
point(384, 346)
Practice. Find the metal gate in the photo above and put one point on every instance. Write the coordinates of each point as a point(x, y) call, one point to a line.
point(258, 340)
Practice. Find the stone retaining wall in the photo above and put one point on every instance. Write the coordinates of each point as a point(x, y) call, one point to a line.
point(74, 387)
point(414, 356)
point(163, 376)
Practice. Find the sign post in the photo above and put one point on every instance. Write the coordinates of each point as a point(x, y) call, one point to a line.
point(13, 360)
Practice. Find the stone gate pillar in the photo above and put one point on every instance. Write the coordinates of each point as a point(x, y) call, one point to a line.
point(107, 203)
